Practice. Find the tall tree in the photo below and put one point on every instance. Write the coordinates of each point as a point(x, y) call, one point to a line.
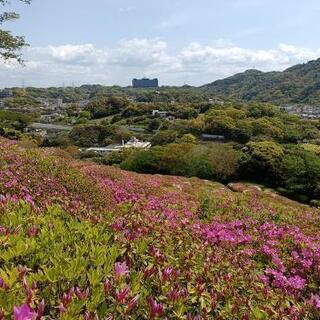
point(10, 45)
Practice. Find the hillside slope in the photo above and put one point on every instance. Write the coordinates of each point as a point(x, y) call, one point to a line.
point(298, 84)
point(81, 241)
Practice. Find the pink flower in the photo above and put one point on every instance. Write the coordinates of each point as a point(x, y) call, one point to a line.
point(23, 312)
point(32, 231)
point(297, 282)
point(40, 310)
point(132, 303)
point(156, 309)
point(121, 269)
point(88, 316)
point(107, 286)
point(121, 296)
point(167, 273)
point(315, 301)
point(61, 308)
point(82, 295)
point(148, 272)
point(3, 285)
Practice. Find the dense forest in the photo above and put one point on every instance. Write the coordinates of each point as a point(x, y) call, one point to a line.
point(162, 94)
point(298, 84)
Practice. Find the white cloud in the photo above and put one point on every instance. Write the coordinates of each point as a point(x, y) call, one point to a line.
point(298, 53)
point(213, 57)
point(139, 53)
point(85, 54)
point(196, 63)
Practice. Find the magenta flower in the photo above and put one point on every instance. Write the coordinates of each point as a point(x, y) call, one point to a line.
point(297, 282)
point(107, 286)
point(3, 285)
point(61, 308)
point(82, 295)
point(156, 309)
point(88, 316)
point(132, 303)
point(23, 312)
point(121, 269)
point(32, 231)
point(40, 310)
point(314, 301)
point(121, 296)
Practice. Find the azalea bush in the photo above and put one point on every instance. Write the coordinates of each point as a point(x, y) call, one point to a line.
point(81, 241)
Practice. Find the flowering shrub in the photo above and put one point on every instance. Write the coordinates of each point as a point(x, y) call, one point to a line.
point(80, 241)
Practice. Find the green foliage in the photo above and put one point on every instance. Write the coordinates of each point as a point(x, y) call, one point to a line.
point(61, 140)
point(117, 157)
point(188, 138)
point(11, 134)
point(164, 137)
point(312, 148)
point(263, 161)
point(14, 120)
point(66, 253)
point(146, 161)
point(10, 46)
point(186, 112)
point(119, 133)
point(268, 127)
point(297, 84)
point(267, 151)
point(85, 114)
point(21, 101)
point(105, 106)
point(217, 161)
point(89, 135)
point(154, 124)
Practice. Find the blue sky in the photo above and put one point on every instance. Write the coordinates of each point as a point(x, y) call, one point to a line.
point(112, 41)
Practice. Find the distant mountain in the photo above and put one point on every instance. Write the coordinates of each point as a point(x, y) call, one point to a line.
point(298, 84)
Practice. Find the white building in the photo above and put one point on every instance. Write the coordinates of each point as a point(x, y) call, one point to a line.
point(159, 113)
point(132, 143)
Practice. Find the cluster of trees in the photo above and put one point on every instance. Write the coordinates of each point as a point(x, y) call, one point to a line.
point(254, 121)
point(21, 101)
point(165, 95)
point(291, 169)
point(90, 135)
point(104, 106)
point(14, 120)
point(217, 162)
point(12, 124)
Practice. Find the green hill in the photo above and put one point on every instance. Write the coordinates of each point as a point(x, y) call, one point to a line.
point(82, 241)
point(298, 84)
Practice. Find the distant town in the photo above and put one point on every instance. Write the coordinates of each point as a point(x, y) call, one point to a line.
point(52, 110)
point(304, 111)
